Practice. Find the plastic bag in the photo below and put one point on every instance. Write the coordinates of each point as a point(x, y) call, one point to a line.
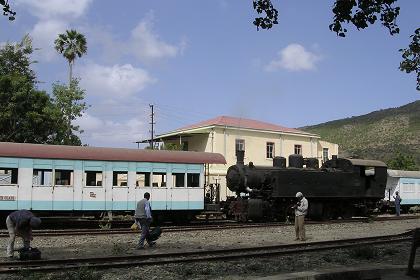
point(134, 226)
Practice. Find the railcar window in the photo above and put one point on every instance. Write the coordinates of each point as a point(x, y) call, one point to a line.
point(93, 178)
point(178, 180)
point(193, 180)
point(143, 179)
point(119, 178)
point(8, 176)
point(159, 179)
point(298, 149)
point(269, 150)
point(42, 177)
point(63, 177)
point(408, 187)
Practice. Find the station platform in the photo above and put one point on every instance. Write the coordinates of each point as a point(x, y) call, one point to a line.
point(371, 272)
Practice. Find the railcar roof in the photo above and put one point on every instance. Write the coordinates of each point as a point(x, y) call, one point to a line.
point(42, 151)
point(367, 162)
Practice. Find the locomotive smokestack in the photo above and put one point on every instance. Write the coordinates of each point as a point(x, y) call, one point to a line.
point(240, 157)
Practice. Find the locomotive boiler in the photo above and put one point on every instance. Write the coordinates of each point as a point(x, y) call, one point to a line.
point(341, 187)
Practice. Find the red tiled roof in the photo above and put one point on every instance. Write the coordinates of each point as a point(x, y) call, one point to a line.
point(242, 123)
point(108, 154)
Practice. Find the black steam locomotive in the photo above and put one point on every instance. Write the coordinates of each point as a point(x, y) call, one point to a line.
point(341, 187)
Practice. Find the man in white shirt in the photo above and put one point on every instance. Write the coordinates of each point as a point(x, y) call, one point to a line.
point(143, 218)
point(301, 209)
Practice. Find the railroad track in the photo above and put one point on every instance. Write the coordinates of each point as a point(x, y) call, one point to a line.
point(195, 256)
point(199, 227)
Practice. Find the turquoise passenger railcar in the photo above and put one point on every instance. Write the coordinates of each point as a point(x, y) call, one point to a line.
point(52, 179)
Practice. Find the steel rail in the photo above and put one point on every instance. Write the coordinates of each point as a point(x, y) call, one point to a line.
point(196, 256)
point(200, 227)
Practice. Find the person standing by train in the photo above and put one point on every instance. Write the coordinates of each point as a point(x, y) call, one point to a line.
point(20, 223)
point(301, 209)
point(397, 200)
point(143, 218)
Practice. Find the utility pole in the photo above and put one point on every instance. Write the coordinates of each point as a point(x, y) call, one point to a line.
point(152, 123)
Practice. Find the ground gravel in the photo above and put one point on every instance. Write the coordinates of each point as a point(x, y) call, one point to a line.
point(124, 244)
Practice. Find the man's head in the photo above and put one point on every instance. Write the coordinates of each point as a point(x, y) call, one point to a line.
point(299, 195)
point(396, 192)
point(147, 195)
point(35, 222)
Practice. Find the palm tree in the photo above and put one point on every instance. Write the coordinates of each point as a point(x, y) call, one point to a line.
point(70, 45)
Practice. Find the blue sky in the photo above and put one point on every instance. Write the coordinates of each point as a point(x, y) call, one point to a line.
point(196, 60)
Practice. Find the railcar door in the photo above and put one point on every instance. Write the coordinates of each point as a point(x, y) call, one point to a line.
point(195, 190)
point(143, 183)
point(42, 185)
point(159, 187)
point(178, 196)
point(120, 189)
point(8, 185)
point(94, 182)
point(63, 189)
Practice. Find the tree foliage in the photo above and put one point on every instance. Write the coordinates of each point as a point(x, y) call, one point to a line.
point(7, 11)
point(403, 162)
point(361, 13)
point(69, 100)
point(411, 57)
point(71, 44)
point(15, 59)
point(28, 115)
point(271, 14)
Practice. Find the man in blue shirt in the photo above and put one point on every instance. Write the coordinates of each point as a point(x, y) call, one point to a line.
point(143, 218)
point(20, 223)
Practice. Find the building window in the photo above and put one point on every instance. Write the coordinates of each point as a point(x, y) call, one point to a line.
point(119, 179)
point(325, 154)
point(143, 179)
point(93, 178)
point(185, 146)
point(270, 150)
point(8, 176)
point(298, 149)
point(239, 145)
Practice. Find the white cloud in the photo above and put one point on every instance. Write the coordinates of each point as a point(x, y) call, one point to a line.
point(112, 133)
point(46, 9)
point(145, 44)
point(44, 33)
point(294, 57)
point(114, 81)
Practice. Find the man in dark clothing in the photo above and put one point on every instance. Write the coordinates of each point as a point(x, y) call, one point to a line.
point(397, 199)
point(143, 218)
point(20, 223)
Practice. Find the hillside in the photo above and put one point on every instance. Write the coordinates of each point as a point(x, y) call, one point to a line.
point(377, 135)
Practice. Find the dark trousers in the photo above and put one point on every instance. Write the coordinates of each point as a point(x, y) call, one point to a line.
point(144, 224)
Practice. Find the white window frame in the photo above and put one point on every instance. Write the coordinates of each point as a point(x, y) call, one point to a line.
point(269, 150)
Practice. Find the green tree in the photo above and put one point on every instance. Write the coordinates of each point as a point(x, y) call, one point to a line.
point(403, 162)
point(70, 101)
point(71, 45)
point(15, 59)
point(28, 115)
